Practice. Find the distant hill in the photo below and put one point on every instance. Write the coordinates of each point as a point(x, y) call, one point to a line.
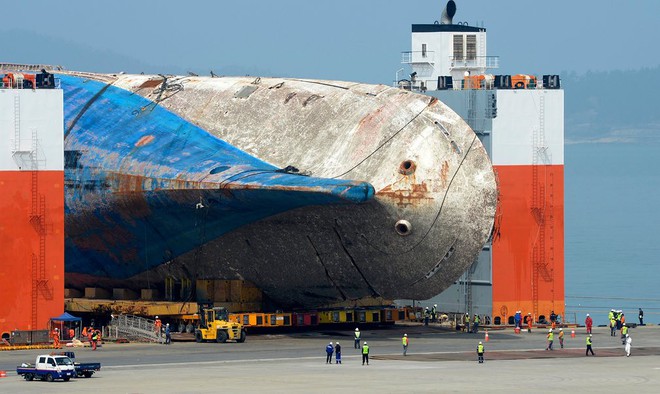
point(614, 106)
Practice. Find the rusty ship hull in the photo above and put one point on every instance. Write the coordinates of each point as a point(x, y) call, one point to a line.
point(315, 191)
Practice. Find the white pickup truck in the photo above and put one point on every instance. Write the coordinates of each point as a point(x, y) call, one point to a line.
point(49, 368)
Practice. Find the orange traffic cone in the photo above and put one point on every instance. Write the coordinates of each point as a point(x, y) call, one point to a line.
point(572, 333)
point(486, 338)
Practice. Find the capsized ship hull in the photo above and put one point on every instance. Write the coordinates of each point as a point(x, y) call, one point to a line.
point(193, 177)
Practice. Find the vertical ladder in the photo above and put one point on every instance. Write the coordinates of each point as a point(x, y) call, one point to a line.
point(35, 292)
point(17, 122)
point(468, 288)
point(481, 53)
point(538, 207)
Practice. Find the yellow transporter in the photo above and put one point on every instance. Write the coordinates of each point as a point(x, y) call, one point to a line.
point(256, 319)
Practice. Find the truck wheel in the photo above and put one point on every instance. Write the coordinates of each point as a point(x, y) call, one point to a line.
point(242, 338)
point(221, 337)
point(66, 379)
point(88, 374)
point(49, 377)
point(198, 337)
point(29, 377)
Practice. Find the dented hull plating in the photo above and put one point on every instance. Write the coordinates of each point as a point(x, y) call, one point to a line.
point(182, 177)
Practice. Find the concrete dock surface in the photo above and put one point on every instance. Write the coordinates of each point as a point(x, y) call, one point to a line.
point(438, 360)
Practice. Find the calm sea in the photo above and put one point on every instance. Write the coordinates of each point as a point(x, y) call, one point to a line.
point(612, 230)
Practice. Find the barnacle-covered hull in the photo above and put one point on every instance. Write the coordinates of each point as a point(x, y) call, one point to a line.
point(315, 191)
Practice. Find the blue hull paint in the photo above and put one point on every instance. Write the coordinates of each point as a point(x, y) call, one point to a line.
point(144, 186)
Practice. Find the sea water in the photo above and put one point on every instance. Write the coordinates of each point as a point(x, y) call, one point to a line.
point(612, 230)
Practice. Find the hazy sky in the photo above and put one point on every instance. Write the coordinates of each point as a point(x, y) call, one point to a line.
point(357, 40)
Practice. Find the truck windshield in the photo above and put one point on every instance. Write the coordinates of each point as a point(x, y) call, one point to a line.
point(63, 361)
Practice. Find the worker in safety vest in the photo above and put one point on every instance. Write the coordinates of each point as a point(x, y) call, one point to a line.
point(612, 327)
point(480, 352)
point(589, 349)
point(624, 332)
point(157, 325)
point(475, 326)
point(530, 321)
point(95, 339)
point(365, 353)
point(56, 338)
point(466, 322)
point(72, 333)
point(551, 338)
point(561, 337)
point(357, 338)
point(434, 313)
point(404, 342)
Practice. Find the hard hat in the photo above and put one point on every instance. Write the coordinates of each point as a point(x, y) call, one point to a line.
point(435, 304)
point(624, 324)
point(167, 324)
point(331, 342)
point(156, 317)
point(587, 314)
point(627, 335)
point(357, 329)
point(365, 342)
point(480, 343)
point(57, 329)
point(590, 335)
point(337, 343)
point(550, 330)
point(561, 329)
point(405, 335)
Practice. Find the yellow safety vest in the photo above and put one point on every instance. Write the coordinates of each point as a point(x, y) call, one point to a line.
point(624, 330)
point(365, 349)
point(404, 340)
point(480, 348)
point(589, 341)
point(357, 334)
point(551, 336)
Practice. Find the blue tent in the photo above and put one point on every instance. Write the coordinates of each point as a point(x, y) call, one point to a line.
point(65, 321)
point(65, 317)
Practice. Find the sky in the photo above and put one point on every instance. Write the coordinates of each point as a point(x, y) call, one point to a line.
point(356, 40)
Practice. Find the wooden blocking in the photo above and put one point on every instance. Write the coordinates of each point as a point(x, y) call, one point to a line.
point(124, 294)
point(72, 293)
point(149, 294)
point(96, 293)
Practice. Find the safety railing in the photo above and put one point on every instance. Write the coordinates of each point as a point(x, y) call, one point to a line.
point(135, 328)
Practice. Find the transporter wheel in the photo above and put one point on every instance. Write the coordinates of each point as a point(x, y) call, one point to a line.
point(49, 377)
point(198, 337)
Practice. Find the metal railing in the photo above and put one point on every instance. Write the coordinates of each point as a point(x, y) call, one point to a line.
point(135, 328)
point(411, 57)
point(489, 62)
